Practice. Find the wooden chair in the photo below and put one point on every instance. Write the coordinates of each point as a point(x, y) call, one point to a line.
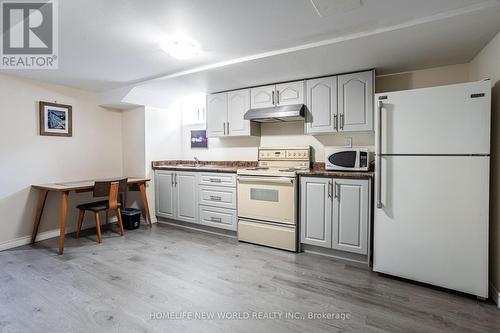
point(112, 189)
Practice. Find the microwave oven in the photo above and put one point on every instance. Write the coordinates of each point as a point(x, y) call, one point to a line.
point(348, 159)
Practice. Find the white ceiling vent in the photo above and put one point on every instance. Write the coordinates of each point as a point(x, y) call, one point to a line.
point(331, 7)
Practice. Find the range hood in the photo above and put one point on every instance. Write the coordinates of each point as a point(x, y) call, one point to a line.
point(277, 113)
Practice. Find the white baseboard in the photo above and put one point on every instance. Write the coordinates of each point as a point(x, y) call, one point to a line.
point(45, 235)
point(495, 295)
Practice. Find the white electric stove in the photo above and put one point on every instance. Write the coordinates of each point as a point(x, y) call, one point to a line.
point(267, 197)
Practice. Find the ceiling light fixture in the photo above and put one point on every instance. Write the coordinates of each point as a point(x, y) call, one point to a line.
point(180, 48)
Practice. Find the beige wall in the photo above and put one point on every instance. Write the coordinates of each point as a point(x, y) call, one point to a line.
point(27, 158)
point(133, 141)
point(423, 78)
point(487, 65)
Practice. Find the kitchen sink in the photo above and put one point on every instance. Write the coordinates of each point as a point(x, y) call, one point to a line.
point(195, 165)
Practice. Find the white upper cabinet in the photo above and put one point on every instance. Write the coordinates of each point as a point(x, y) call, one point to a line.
point(355, 101)
point(277, 94)
point(321, 114)
point(238, 102)
point(262, 97)
point(216, 114)
point(289, 93)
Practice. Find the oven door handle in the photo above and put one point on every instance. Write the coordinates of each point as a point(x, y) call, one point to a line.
point(277, 180)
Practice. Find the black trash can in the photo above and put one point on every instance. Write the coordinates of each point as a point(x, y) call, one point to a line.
point(131, 218)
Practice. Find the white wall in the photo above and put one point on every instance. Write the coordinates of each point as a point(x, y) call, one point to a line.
point(95, 150)
point(487, 65)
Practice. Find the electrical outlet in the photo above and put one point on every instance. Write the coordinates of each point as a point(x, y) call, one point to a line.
point(348, 142)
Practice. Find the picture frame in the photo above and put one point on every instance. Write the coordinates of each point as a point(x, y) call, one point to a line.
point(55, 119)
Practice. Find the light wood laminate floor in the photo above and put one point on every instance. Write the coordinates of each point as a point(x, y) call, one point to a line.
point(123, 283)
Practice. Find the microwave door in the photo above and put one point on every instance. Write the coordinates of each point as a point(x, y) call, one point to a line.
point(345, 160)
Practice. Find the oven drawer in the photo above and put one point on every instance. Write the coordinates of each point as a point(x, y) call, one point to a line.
point(218, 179)
point(224, 197)
point(282, 237)
point(218, 217)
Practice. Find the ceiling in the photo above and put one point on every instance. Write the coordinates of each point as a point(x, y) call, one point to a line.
point(109, 44)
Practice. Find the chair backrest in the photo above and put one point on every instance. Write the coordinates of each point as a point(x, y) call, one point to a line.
point(111, 189)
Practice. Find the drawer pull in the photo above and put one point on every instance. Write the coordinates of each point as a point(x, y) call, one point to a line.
point(215, 219)
point(215, 180)
point(215, 198)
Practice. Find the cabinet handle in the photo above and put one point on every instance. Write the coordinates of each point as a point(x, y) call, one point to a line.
point(277, 97)
point(172, 179)
point(198, 114)
point(329, 189)
point(336, 122)
point(341, 121)
point(215, 219)
point(175, 180)
point(215, 198)
point(273, 97)
point(215, 180)
point(228, 128)
point(224, 126)
point(335, 194)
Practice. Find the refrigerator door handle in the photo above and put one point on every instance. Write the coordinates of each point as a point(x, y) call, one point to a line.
point(379, 157)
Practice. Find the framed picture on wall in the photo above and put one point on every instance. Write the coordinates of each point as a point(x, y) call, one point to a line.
point(199, 139)
point(55, 119)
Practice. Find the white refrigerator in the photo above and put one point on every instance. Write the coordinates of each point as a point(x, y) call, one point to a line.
point(432, 185)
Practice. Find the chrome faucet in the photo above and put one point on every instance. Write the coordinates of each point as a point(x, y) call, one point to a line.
point(197, 160)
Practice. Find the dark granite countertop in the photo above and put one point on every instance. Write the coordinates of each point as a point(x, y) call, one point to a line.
point(318, 170)
point(209, 166)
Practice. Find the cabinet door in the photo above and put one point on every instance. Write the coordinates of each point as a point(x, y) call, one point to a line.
point(186, 197)
point(351, 215)
point(164, 193)
point(216, 114)
point(316, 211)
point(262, 97)
point(321, 105)
point(355, 101)
point(238, 102)
point(290, 93)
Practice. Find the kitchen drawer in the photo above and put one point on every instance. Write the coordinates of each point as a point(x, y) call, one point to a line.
point(224, 197)
point(218, 179)
point(218, 217)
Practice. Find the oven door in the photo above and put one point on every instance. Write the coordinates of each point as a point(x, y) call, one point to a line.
point(267, 198)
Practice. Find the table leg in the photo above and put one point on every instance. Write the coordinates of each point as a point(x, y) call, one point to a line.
point(42, 197)
point(63, 217)
point(142, 188)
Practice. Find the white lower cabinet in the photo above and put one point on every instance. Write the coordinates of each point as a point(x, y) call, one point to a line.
point(176, 195)
point(335, 213)
point(197, 197)
point(218, 217)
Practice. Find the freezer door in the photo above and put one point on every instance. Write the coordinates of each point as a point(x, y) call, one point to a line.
point(433, 224)
point(453, 119)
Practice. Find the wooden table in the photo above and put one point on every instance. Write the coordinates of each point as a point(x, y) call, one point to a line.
point(134, 184)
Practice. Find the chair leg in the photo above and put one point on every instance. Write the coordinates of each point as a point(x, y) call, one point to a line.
point(120, 223)
point(98, 227)
point(106, 226)
point(81, 215)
